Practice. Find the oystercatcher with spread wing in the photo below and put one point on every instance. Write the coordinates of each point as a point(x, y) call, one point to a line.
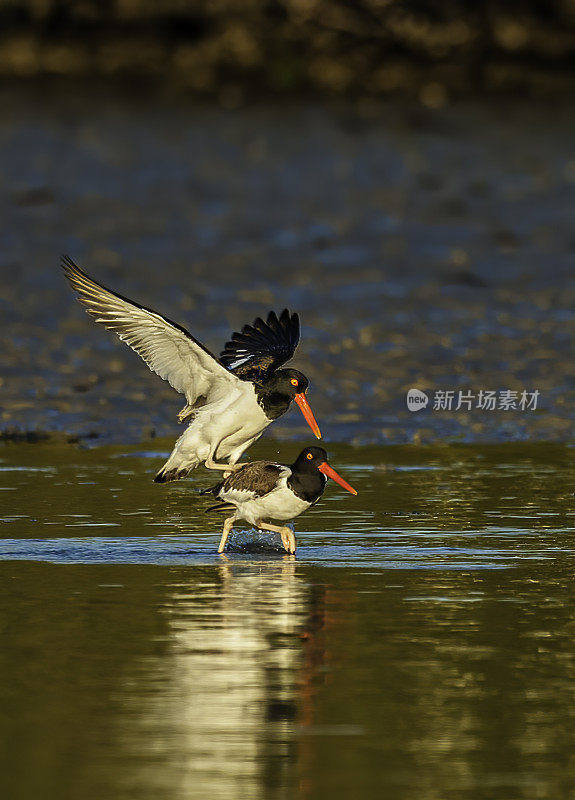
point(231, 399)
point(266, 490)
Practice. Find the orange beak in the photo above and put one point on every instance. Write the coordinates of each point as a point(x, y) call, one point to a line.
point(307, 412)
point(331, 473)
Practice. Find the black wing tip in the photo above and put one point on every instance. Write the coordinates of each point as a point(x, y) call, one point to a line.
point(67, 264)
point(71, 270)
point(290, 323)
point(285, 314)
point(276, 336)
point(295, 325)
point(288, 319)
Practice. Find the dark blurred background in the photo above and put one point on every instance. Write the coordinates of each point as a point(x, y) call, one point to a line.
point(238, 48)
point(402, 173)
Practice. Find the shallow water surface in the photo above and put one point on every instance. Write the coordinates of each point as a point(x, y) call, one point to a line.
point(419, 644)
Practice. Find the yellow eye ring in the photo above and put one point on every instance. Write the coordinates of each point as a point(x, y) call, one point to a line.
point(309, 456)
point(294, 382)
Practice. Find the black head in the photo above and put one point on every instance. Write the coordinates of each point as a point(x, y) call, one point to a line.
point(288, 382)
point(314, 459)
point(311, 458)
point(279, 389)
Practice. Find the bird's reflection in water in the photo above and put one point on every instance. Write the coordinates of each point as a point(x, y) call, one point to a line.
point(224, 720)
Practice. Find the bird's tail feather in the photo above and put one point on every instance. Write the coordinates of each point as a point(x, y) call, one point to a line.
point(167, 475)
point(174, 469)
point(213, 489)
point(220, 507)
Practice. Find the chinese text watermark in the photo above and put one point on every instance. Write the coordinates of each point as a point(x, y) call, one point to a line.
point(481, 400)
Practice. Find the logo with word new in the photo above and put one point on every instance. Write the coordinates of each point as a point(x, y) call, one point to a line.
point(416, 400)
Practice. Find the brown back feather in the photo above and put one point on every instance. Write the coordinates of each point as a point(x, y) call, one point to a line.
point(259, 477)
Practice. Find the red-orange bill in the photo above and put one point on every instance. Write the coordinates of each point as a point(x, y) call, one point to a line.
point(331, 473)
point(307, 412)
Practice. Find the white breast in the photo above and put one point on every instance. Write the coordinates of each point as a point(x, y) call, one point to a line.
point(226, 428)
point(245, 420)
point(281, 504)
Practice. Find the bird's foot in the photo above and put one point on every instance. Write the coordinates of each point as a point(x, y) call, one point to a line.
point(287, 535)
point(288, 540)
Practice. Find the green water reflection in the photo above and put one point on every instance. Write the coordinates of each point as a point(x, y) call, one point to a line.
point(396, 668)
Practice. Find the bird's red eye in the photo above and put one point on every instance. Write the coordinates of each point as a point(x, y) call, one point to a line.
point(294, 381)
point(309, 456)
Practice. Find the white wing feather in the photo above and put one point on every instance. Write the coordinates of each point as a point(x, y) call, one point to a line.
point(168, 350)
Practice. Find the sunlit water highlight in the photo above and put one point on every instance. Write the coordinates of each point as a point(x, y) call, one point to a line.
point(419, 644)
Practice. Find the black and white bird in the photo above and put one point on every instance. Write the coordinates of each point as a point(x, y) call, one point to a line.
point(231, 399)
point(265, 490)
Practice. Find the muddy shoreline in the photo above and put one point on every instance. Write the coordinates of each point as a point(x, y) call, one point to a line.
point(428, 249)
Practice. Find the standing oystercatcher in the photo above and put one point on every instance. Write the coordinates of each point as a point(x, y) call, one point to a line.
point(264, 489)
point(231, 399)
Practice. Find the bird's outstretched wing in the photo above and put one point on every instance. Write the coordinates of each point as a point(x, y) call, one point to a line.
point(167, 348)
point(263, 346)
